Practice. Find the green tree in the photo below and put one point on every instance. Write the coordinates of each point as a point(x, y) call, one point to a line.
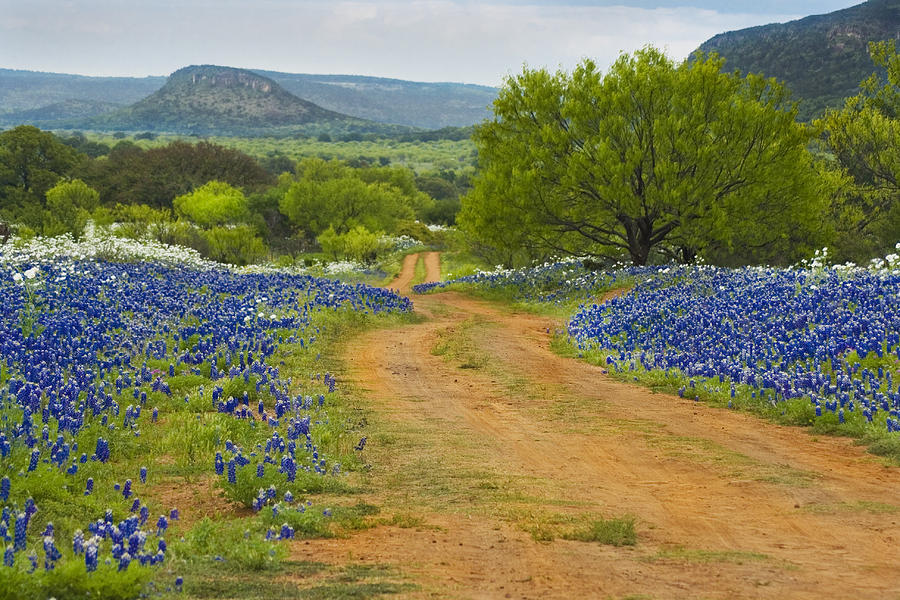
point(331, 194)
point(31, 162)
point(654, 156)
point(358, 244)
point(156, 176)
point(863, 138)
point(213, 204)
point(69, 206)
point(234, 245)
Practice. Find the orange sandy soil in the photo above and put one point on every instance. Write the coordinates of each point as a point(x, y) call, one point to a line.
point(487, 447)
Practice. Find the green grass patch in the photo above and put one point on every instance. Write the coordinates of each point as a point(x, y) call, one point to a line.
point(613, 532)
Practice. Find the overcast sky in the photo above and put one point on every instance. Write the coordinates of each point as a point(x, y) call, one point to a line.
point(421, 40)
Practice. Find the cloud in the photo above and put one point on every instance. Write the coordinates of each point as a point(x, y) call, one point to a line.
point(426, 40)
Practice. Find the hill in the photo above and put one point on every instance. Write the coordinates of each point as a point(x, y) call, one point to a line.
point(425, 105)
point(415, 104)
point(822, 58)
point(210, 99)
point(66, 109)
point(30, 90)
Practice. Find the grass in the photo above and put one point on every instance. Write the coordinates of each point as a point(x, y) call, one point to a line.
point(419, 272)
point(299, 580)
point(455, 344)
point(544, 526)
point(613, 532)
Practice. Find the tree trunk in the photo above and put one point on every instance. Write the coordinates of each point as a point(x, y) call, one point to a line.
point(639, 232)
point(688, 255)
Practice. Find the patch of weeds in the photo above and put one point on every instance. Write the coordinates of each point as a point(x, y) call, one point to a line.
point(455, 344)
point(614, 532)
point(356, 517)
point(405, 521)
point(359, 581)
point(309, 523)
point(236, 545)
point(351, 591)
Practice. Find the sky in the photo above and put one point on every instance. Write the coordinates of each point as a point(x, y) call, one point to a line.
point(421, 40)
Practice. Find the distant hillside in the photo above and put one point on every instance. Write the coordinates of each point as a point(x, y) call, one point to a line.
point(216, 100)
point(29, 90)
point(67, 109)
point(416, 104)
point(821, 58)
point(425, 105)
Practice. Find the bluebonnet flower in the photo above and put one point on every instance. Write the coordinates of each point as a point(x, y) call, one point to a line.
point(161, 525)
point(91, 550)
point(78, 542)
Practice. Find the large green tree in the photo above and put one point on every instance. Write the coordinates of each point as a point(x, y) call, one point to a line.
point(653, 156)
point(31, 162)
point(864, 138)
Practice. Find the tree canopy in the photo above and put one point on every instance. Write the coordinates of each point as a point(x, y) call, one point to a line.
point(653, 156)
point(863, 139)
point(212, 204)
point(156, 176)
point(330, 194)
point(69, 206)
point(31, 162)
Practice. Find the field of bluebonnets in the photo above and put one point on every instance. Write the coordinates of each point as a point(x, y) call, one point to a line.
point(810, 345)
point(126, 365)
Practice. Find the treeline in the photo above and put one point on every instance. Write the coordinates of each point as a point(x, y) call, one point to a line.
point(656, 161)
point(220, 201)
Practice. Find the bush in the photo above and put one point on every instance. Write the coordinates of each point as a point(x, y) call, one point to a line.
point(234, 245)
point(68, 208)
point(357, 244)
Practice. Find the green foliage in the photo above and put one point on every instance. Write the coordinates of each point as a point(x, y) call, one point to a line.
point(69, 205)
point(234, 245)
point(213, 204)
point(614, 532)
point(137, 221)
point(330, 194)
point(132, 175)
point(70, 579)
point(358, 244)
point(231, 541)
point(652, 157)
point(31, 162)
point(863, 139)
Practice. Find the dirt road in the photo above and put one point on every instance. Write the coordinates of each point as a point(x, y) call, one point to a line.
point(489, 448)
